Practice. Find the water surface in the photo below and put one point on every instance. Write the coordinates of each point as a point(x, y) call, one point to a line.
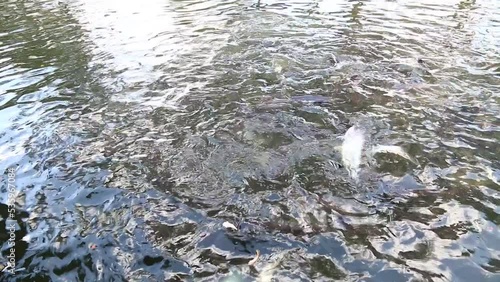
point(138, 127)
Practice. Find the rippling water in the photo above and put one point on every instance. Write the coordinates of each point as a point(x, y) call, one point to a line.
point(137, 128)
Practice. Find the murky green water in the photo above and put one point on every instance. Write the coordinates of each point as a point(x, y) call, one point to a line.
point(138, 127)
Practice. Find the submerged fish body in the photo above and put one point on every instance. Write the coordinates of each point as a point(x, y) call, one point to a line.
point(392, 149)
point(352, 148)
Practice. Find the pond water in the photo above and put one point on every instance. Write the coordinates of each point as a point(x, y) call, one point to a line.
point(130, 131)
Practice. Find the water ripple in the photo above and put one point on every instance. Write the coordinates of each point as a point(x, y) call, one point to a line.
point(137, 129)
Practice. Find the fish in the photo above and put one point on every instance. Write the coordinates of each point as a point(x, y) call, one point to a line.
point(392, 149)
point(229, 225)
point(352, 149)
point(255, 259)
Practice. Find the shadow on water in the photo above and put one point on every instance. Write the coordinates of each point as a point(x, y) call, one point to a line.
point(137, 129)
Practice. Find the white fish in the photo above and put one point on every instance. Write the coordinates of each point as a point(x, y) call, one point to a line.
point(353, 151)
point(393, 150)
point(255, 259)
point(229, 225)
point(352, 148)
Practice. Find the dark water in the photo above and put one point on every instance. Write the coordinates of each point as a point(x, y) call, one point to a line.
point(136, 128)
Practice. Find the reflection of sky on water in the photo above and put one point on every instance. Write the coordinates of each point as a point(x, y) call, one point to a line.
point(123, 32)
point(142, 41)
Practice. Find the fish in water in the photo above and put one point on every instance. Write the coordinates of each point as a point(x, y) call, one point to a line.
point(392, 149)
point(229, 225)
point(352, 148)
